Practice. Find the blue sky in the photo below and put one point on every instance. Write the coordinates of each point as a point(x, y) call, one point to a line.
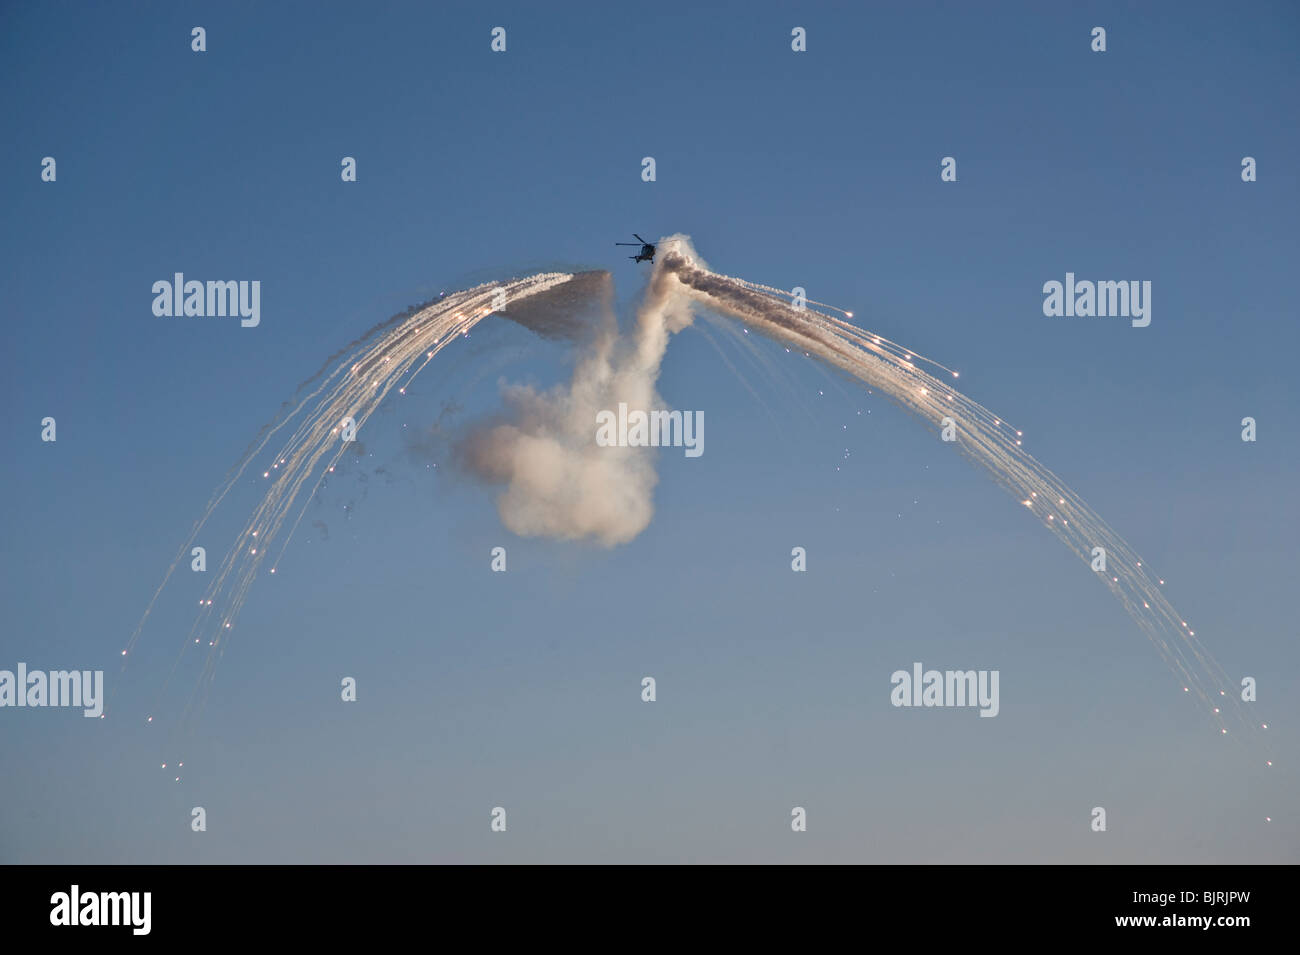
point(818, 169)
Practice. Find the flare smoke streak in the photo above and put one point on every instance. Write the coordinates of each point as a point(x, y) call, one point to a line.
point(985, 439)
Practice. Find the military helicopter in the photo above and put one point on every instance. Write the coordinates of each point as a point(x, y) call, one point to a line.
point(647, 253)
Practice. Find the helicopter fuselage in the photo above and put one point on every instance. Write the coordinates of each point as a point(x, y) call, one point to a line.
point(647, 253)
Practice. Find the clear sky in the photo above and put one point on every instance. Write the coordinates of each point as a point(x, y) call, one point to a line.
point(522, 690)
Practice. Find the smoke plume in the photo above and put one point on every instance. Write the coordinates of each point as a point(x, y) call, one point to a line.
point(557, 481)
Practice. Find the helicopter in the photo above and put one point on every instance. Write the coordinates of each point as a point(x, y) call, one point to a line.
point(647, 253)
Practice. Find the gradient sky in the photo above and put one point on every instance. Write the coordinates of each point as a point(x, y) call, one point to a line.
point(521, 690)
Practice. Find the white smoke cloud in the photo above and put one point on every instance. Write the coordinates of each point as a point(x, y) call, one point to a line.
point(558, 481)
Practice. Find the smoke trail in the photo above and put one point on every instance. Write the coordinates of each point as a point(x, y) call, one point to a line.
point(985, 439)
point(569, 312)
point(388, 356)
